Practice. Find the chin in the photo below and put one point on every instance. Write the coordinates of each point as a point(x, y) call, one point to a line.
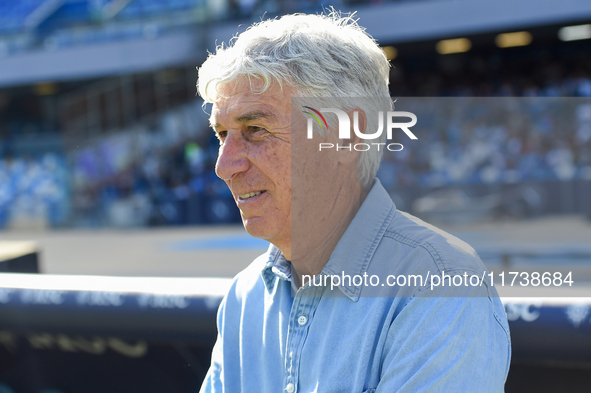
point(262, 228)
point(257, 227)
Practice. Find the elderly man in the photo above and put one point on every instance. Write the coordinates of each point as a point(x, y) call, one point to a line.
point(283, 326)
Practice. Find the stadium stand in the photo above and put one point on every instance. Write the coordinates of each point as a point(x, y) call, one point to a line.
point(13, 14)
point(155, 173)
point(174, 161)
point(137, 9)
point(554, 146)
point(543, 71)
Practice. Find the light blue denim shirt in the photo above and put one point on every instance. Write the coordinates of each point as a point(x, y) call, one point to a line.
point(415, 340)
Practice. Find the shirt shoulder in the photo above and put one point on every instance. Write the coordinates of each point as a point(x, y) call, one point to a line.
point(441, 250)
point(249, 279)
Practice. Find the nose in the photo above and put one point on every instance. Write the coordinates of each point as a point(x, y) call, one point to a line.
point(232, 156)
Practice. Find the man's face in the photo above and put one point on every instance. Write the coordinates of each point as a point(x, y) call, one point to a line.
point(255, 156)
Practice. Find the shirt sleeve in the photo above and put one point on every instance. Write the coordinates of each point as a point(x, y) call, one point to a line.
point(447, 344)
point(213, 382)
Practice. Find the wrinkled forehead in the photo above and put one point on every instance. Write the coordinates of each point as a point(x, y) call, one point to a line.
point(229, 97)
point(226, 88)
point(242, 96)
point(257, 85)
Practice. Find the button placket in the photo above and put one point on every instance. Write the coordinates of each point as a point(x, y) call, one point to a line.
point(303, 308)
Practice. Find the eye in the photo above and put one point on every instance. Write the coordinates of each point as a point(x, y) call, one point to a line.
point(221, 135)
point(255, 133)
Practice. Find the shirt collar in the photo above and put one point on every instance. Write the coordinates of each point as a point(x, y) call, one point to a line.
point(276, 266)
point(353, 252)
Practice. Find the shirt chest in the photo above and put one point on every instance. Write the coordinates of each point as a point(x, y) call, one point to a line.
point(317, 341)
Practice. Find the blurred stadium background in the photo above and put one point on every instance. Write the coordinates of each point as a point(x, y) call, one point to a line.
point(106, 169)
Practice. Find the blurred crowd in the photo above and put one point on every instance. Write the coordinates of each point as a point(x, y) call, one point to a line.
point(496, 140)
point(492, 140)
point(34, 192)
point(155, 175)
point(148, 175)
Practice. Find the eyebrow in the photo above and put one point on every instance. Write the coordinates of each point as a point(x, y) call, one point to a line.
point(250, 116)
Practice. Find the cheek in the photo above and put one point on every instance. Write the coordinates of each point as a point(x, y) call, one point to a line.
point(274, 161)
point(279, 155)
point(313, 168)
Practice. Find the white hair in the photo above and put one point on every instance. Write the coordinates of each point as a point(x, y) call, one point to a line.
point(328, 56)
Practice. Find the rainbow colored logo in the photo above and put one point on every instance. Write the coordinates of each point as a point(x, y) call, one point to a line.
point(316, 117)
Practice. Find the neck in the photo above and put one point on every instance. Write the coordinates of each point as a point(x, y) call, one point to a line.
point(313, 248)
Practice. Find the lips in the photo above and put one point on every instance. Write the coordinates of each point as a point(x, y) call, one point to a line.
point(248, 195)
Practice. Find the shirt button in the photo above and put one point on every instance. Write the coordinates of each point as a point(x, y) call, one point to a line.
point(290, 388)
point(302, 321)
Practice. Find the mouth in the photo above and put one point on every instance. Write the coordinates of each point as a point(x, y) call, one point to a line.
point(249, 195)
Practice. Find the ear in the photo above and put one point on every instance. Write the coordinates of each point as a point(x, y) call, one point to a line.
point(347, 152)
